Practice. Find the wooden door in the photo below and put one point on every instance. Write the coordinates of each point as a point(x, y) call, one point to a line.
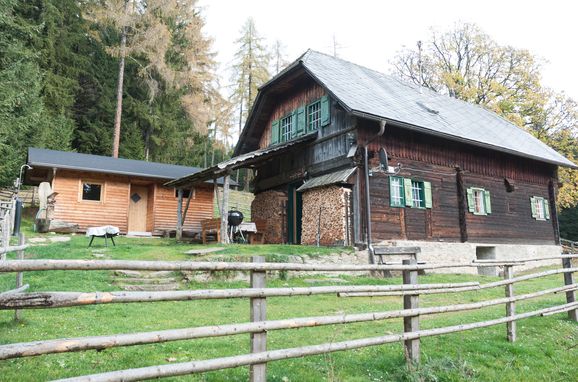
point(137, 209)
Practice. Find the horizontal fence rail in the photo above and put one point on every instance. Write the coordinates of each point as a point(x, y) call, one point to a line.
point(258, 294)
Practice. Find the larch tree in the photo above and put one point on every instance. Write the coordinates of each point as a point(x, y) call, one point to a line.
point(166, 41)
point(250, 70)
point(279, 58)
point(467, 64)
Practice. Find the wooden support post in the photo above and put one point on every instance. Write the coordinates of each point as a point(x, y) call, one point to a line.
point(570, 295)
point(179, 234)
point(258, 372)
point(224, 236)
point(510, 306)
point(19, 275)
point(411, 323)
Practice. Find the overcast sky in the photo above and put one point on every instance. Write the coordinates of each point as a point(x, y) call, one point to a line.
point(371, 32)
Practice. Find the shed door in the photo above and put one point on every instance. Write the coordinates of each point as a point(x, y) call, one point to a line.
point(137, 210)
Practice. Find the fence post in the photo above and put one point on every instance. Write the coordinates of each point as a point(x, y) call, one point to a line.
point(510, 306)
point(411, 323)
point(570, 295)
point(19, 275)
point(258, 372)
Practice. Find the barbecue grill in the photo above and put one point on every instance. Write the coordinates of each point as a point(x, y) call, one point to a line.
point(235, 218)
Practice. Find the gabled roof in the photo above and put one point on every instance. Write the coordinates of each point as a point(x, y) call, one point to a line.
point(370, 94)
point(103, 164)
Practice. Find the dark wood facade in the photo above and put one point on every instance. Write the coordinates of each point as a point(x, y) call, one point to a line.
point(450, 166)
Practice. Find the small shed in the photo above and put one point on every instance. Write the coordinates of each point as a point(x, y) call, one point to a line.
point(93, 190)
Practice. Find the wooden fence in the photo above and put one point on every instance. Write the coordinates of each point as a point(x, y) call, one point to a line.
point(259, 326)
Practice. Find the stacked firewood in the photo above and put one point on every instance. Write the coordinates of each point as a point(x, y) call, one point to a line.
point(324, 216)
point(268, 213)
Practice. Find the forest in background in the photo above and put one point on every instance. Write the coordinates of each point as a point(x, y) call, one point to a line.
point(62, 61)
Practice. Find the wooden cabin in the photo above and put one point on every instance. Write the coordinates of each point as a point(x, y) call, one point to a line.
point(92, 190)
point(344, 155)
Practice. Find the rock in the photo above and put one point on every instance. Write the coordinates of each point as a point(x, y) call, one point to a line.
point(204, 251)
point(150, 287)
point(37, 240)
point(98, 255)
point(61, 226)
point(59, 239)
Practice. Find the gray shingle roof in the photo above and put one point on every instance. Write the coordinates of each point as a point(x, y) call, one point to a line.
point(366, 92)
point(96, 163)
point(336, 177)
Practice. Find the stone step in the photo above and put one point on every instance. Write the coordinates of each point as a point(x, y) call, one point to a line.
point(150, 287)
point(168, 280)
point(144, 274)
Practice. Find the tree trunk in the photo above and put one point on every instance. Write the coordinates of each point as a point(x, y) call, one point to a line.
point(119, 91)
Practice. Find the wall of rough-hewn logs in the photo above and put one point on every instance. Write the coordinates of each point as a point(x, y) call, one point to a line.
point(268, 212)
point(331, 202)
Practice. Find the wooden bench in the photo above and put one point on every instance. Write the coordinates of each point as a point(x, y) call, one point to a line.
point(211, 227)
point(259, 236)
point(383, 252)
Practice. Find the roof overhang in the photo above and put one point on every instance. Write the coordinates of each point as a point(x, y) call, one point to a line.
point(241, 161)
point(336, 177)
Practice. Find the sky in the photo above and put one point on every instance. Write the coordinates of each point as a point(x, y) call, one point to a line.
point(370, 33)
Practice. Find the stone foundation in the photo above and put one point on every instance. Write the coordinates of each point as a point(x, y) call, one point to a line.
point(268, 212)
point(438, 252)
point(331, 202)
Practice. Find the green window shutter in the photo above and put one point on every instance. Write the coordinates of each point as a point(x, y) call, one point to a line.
point(487, 202)
point(546, 209)
point(533, 206)
point(294, 124)
point(300, 121)
point(471, 203)
point(407, 192)
point(391, 203)
point(427, 194)
point(325, 111)
point(275, 132)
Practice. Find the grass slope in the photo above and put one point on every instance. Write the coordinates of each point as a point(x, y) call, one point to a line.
point(546, 349)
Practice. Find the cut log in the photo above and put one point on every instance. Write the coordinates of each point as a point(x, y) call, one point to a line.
point(60, 226)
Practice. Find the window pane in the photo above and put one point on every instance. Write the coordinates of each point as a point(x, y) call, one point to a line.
point(416, 193)
point(186, 193)
point(539, 203)
point(479, 207)
point(396, 192)
point(91, 191)
point(286, 127)
point(314, 116)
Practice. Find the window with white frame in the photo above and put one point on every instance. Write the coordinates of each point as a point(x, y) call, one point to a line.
point(417, 194)
point(314, 116)
point(396, 191)
point(286, 126)
point(540, 208)
point(91, 191)
point(479, 201)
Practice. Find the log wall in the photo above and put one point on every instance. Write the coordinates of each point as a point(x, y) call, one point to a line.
point(435, 160)
point(113, 207)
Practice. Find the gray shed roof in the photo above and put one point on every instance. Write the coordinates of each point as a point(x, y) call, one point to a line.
point(371, 94)
point(103, 164)
point(336, 177)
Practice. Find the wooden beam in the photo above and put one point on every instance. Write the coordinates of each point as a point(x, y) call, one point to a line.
point(186, 368)
point(225, 211)
point(179, 234)
point(411, 323)
point(381, 250)
point(462, 205)
point(570, 295)
point(510, 306)
point(35, 348)
point(258, 309)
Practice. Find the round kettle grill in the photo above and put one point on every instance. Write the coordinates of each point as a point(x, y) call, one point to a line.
point(235, 218)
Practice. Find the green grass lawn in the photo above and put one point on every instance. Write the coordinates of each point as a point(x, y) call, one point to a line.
point(546, 349)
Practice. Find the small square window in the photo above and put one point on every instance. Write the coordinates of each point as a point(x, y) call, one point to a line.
point(186, 193)
point(314, 116)
point(91, 191)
